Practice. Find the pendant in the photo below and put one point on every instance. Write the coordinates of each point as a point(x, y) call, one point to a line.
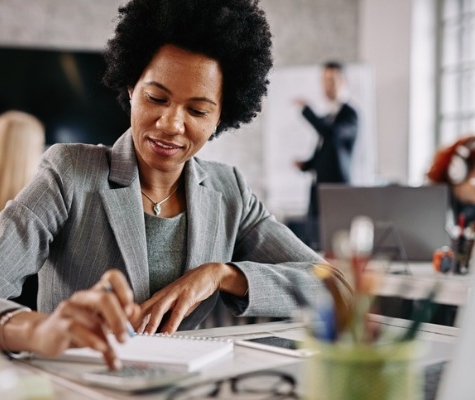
point(157, 209)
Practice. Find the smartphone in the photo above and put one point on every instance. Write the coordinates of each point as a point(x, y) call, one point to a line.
point(135, 378)
point(277, 344)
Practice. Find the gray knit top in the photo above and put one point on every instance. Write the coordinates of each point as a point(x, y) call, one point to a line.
point(166, 249)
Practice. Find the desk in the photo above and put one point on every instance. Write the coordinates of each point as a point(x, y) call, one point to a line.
point(439, 338)
point(454, 289)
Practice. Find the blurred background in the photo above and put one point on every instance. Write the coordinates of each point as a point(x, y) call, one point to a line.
point(410, 67)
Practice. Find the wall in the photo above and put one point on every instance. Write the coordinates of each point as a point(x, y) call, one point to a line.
point(422, 119)
point(305, 32)
point(312, 31)
point(69, 24)
point(397, 38)
point(294, 138)
point(385, 43)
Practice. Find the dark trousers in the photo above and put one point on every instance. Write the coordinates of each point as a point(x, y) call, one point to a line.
point(313, 208)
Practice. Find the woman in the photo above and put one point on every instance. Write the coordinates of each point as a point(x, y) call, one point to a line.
point(22, 143)
point(146, 213)
point(22, 140)
point(455, 165)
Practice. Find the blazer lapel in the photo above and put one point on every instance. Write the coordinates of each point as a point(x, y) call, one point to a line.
point(123, 206)
point(124, 210)
point(204, 213)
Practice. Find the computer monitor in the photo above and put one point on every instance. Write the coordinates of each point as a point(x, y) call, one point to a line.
point(410, 222)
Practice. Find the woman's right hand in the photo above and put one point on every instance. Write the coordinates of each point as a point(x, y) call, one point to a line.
point(83, 320)
point(299, 102)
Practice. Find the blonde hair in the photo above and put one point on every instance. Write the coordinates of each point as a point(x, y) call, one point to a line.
point(22, 140)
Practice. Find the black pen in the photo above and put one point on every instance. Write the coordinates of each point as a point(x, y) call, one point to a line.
point(130, 330)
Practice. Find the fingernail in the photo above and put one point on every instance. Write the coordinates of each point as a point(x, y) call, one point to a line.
point(117, 364)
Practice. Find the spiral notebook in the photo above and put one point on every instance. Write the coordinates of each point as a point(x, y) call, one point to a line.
point(188, 353)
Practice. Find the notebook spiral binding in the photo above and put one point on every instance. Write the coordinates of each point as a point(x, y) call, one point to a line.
point(188, 337)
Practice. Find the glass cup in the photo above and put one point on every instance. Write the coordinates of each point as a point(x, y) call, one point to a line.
point(364, 372)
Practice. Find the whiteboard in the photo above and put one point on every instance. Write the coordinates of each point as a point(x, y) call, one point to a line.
point(289, 137)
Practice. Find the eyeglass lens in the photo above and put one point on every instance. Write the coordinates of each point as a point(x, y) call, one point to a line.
point(265, 385)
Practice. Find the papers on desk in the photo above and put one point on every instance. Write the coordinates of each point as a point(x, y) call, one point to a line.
point(188, 353)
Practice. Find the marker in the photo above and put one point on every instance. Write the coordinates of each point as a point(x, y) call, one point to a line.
point(130, 330)
point(361, 244)
point(320, 320)
point(422, 314)
point(460, 247)
point(341, 309)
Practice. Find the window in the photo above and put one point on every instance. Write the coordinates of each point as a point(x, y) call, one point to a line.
point(455, 109)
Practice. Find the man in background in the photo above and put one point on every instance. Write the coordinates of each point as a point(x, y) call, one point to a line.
point(336, 130)
point(331, 161)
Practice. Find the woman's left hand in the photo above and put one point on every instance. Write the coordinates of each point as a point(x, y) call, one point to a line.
point(180, 298)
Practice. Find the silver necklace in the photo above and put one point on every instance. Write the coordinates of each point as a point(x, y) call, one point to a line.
point(157, 205)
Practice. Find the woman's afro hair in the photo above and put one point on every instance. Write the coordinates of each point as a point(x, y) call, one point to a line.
point(233, 32)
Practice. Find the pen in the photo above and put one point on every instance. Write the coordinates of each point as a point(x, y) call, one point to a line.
point(320, 319)
point(361, 244)
point(130, 330)
point(421, 314)
point(470, 235)
point(341, 309)
point(460, 246)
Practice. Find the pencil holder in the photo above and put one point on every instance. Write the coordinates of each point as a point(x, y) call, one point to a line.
point(364, 372)
point(462, 255)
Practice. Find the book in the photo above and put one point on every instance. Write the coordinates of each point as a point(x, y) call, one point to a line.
point(178, 352)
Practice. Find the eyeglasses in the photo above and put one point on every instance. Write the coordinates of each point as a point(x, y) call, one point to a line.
point(262, 385)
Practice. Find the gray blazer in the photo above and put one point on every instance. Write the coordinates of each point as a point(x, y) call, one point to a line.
point(83, 214)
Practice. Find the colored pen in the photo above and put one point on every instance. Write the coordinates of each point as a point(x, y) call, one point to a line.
point(342, 312)
point(470, 235)
point(361, 243)
point(319, 318)
point(421, 314)
point(460, 247)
